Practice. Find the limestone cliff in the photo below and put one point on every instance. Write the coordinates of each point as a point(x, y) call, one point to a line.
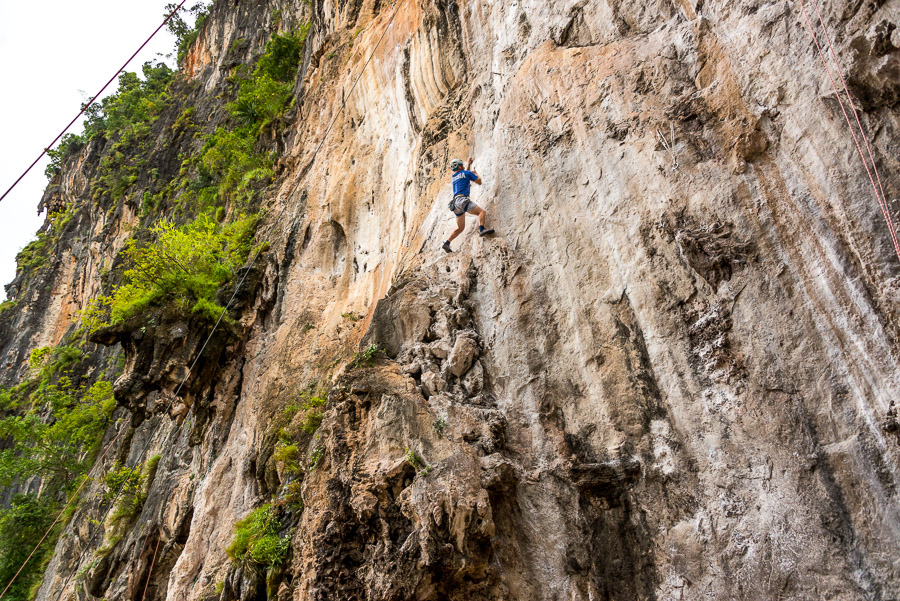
point(670, 375)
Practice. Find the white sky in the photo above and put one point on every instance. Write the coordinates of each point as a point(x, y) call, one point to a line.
point(50, 50)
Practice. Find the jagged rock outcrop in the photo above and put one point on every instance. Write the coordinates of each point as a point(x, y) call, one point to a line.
point(672, 374)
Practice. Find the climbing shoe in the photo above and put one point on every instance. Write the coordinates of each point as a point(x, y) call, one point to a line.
point(447, 248)
point(484, 232)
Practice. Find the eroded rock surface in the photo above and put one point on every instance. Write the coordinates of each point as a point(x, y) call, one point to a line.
point(673, 374)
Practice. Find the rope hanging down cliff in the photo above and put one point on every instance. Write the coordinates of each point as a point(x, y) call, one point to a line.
point(879, 189)
point(92, 101)
point(227, 306)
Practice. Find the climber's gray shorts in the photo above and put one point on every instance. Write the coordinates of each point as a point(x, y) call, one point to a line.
point(462, 205)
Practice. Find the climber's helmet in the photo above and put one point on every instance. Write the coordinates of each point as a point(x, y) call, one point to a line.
point(456, 165)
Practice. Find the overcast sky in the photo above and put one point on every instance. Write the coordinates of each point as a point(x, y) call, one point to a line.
point(54, 53)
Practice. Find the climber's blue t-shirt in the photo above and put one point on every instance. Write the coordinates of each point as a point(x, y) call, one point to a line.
point(461, 181)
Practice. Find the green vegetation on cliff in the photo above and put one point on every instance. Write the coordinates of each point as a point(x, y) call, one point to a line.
point(184, 179)
point(256, 538)
point(22, 524)
point(51, 427)
point(230, 168)
point(186, 35)
point(181, 267)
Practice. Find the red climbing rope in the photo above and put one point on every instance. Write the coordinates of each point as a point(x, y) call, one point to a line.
point(93, 100)
point(882, 199)
point(150, 573)
point(858, 123)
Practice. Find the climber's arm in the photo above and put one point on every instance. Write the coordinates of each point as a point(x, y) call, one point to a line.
point(477, 178)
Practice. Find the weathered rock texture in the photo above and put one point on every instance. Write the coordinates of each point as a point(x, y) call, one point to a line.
point(669, 376)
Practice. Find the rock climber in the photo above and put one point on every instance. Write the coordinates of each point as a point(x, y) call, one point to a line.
point(461, 204)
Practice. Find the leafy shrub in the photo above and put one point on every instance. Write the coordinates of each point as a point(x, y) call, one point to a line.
point(125, 119)
point(7, 306)
point(264, 92)
point(129, 486)
point(38, 358)
point(37, 252)
point(256, 538)
point(289, 455)
point(366, 357)
point(414, 459)
point(122, 481)
point(313, 402)
point(282, 56)
point(34, 255)
point(59, 436)
point(182, 267)
point(69, 145)
point(51, 429)
point(186, 35)
point(136, 103)
point(49, 362)
point(22, 524)
point(230, 164)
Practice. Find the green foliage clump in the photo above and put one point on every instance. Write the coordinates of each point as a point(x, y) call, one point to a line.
point(256, 538)
point(37, 252)
point(48, 362)
point(182, 267)
point(135, 104)
point(58, 437)
point(38, 358)
point(313, 402)
point(366, 357)
point(413, 459)
point(186, 35)
point(69, 145)
point(51, 429)
point(264, 92)
point(282, 56)
point(7, 306)
point(22, 524)
point(128, 486)
point(125, 118)
point(289, 455)
point(229, 167)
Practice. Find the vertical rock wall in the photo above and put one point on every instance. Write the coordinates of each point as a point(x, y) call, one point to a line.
point(668, 376)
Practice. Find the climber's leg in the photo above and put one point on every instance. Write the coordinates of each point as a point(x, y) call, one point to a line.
point(482, 217)
point(460, 227)
point(480, 213)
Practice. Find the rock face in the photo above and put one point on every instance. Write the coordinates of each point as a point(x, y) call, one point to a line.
point(671, 375)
